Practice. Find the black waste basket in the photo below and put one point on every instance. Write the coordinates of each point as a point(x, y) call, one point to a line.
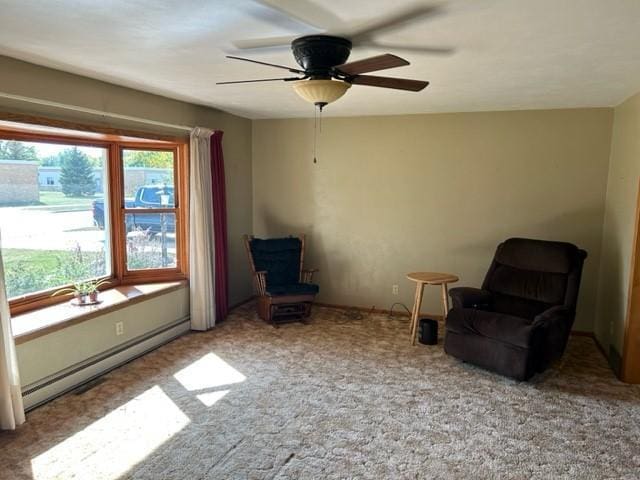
point(428, 331)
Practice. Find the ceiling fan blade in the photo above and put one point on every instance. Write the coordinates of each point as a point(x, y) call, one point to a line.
point(292, 70)
point(307, 12)
point(407, 48)
point(267, 42)
point(410, 14)
point(286, 79)
point(371, 64)
point(389, 82)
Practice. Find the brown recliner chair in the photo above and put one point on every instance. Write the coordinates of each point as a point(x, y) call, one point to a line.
point(519, 322)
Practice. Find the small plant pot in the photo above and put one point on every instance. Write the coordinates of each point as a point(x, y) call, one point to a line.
point(82, 298)
point(93, 297)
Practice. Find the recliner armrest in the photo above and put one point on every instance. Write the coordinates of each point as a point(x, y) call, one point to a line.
point(551, 330)
point(467, 297)
point(553, 314)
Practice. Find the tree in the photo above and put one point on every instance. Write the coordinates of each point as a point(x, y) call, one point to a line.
point(76, 175)
point(96, 162)
point(56, 161)
point(148, 158)
point(13, 150)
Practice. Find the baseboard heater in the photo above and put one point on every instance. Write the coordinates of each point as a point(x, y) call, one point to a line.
point(88, 370)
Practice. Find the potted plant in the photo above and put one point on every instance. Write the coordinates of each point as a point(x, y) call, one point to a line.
point(85, 293)
point(92, 289)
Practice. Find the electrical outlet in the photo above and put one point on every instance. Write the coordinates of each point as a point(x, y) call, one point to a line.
point(395, 289)
point(119, 328)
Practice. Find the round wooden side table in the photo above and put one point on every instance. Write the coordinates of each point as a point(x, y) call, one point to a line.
point(429, 278)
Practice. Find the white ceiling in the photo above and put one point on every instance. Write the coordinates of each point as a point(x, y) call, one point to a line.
point(509, 54)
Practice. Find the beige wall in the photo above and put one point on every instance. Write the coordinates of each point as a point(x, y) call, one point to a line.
point(617, 240)
point(395, 194)
point(25, 79)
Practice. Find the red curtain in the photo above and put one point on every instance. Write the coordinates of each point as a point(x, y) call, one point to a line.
point(220, 227)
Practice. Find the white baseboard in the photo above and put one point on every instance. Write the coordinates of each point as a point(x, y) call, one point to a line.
point(59, 383)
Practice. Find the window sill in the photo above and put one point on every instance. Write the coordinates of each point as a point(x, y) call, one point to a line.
point(37, 323)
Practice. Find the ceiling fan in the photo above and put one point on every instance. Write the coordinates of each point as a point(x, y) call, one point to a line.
point(324, 75)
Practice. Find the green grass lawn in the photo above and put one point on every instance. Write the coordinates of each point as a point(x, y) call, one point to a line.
point(46, 259)
point(29, 271)
point(59, 198)
point(56, 201)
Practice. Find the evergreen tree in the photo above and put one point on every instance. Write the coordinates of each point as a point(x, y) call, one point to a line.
point(76, 175)
point(13, 150)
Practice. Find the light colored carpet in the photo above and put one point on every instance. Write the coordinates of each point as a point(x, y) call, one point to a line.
point(337, 398)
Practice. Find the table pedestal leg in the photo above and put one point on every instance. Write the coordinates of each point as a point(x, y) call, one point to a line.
point(416, 312)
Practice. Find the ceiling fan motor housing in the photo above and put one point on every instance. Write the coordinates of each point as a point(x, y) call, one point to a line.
point(318, 54)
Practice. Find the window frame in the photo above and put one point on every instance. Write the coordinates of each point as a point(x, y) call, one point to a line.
point(178, 209)
point(114, 172)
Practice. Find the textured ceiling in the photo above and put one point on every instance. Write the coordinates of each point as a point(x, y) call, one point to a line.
point(509, 54)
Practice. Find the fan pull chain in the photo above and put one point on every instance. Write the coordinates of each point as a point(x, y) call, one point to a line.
point(317, 129)
point(315, 135)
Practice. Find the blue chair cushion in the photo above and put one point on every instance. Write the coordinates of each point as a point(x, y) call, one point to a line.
point(279, 257)
point(293, 289)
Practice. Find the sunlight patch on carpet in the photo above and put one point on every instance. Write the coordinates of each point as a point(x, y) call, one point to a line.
point(212, 397)
point(208, 372)
point(109, 447)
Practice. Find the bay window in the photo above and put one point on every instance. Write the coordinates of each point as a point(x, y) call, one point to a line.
point(77, 207)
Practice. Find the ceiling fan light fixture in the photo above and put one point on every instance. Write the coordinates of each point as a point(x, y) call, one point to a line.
point(321, 92)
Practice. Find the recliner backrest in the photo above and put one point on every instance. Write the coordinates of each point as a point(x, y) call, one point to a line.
point(529, 276)
point(279, 257)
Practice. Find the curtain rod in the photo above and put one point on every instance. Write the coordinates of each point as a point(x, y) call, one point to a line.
point(92, 111)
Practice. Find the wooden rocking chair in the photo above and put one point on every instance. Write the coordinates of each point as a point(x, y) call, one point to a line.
point(285, 291)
